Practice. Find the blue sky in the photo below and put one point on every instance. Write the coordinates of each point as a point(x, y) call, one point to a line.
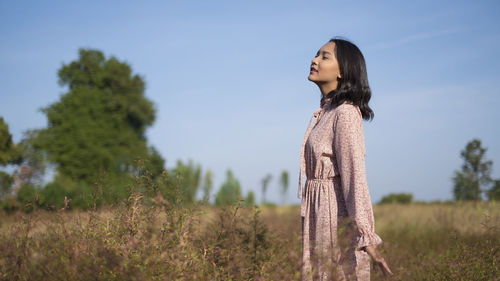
point(229, 79)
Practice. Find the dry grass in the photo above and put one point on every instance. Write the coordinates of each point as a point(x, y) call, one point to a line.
point(161, 241)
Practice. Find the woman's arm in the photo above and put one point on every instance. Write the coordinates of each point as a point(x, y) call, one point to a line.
point(349, 147)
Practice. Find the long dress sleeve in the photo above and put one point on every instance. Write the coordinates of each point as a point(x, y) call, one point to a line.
point(349, 147)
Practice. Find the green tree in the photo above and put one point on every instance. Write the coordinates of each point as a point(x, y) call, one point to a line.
point(154, 163)
point(265, 184)
point(230, 191)
point(250, 199)
point(186, 181)
point(9, 152)
point(99, 124)
point(32, 165)
point(207, 185)
point(494, 192)
point(475, 172)
point(284, 185)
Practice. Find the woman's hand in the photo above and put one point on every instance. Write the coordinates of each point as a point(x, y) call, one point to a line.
point(378, 260)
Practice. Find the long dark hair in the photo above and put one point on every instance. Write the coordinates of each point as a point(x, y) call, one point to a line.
point(353, 85)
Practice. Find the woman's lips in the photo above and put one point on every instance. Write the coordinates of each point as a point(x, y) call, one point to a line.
point(313, 70)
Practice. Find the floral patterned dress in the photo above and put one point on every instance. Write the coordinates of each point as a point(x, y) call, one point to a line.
point(336, 210)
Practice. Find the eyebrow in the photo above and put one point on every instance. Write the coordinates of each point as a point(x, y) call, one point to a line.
point(325, 52)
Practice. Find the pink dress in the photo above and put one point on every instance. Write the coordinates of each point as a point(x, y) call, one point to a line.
point(335, 197)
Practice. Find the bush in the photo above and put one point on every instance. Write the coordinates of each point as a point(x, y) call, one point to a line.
point(107, 190)
point(10, 204)
point(402, 198)
point(26, 195)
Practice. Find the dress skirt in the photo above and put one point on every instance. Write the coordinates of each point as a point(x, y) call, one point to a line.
point(329, 236)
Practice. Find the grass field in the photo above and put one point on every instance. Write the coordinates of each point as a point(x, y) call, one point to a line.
point(160, 241)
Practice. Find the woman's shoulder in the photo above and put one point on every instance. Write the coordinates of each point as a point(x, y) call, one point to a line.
point(347, 110)
point(347, 118)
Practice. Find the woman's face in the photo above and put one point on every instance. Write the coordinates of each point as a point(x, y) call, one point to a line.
point(324, 67)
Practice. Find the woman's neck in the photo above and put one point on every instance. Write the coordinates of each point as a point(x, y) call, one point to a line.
point(327, 87)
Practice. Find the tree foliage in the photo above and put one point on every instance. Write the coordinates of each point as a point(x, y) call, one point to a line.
point(186, 181)
point(207, 185)
point(6, 182)
point(494, 192)
point(230, 191)
point(284, 184)
point(9, 152)
point(250, 199)
point(154, 164)
point(265, 184)
point(32, 165)
point(99, 124)
point(475, 172)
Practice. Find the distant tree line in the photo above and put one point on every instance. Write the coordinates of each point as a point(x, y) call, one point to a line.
point(230, 191)
point(95, 141)
point(470, 183)
point(402, 198)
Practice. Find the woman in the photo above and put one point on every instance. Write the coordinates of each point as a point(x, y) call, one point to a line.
point(335, 197)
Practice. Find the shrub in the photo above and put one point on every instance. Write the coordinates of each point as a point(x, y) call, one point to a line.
point(402, 198)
